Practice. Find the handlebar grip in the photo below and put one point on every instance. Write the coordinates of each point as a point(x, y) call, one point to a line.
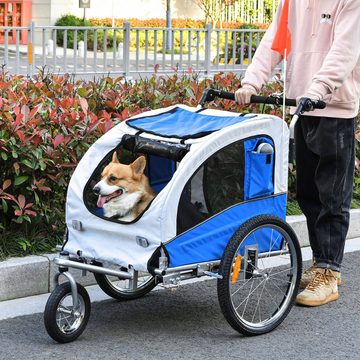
point(211, 94)
point(319, 104)
point(272, 100)
point(227, 95)
point(275, 100)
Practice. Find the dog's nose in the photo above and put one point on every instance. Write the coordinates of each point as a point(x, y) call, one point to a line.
point(96, 190)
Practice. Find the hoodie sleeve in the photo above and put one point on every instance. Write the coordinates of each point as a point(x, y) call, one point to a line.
point(343, 54)
point(265, 60)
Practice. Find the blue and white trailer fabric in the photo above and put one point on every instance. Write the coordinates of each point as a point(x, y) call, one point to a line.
point(114, 242)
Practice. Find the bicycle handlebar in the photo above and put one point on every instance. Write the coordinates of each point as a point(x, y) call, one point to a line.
point(305, 104)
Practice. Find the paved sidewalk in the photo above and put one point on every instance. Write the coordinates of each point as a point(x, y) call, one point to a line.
point(187, 324)
point(36, 304)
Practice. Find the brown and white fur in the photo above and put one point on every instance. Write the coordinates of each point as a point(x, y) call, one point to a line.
point(124, 190)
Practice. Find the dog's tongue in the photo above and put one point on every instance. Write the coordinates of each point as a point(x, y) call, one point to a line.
point(101, 201)
point(105, 198)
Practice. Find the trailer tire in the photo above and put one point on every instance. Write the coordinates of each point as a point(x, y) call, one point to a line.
point(113, 287)
point(258, 289)
point(61, 323)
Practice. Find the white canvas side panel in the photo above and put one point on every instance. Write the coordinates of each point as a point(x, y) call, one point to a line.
point(102, 239)
point(281, 177)
point(261, 125)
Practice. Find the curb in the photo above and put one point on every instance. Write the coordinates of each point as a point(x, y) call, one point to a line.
point(33, 275)
point(298, 223)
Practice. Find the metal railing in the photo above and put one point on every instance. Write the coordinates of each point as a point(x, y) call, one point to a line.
point(128, 51)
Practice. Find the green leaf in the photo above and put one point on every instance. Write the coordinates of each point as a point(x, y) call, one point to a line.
point(82, 92)
point(37, 153)
point(4, 205)
point(25, 244)
point(27, 218)
point(15, 155)
point(37, 200)
point(4, 155)
point(20, 179)
point(28, 163)
point(42, 165)
point(102, 85)
point(19, 220)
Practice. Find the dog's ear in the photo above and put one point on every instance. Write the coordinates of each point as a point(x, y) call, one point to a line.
point(115, 158)
point(138, 166)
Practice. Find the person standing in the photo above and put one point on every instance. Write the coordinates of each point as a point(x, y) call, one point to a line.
point(323, 43)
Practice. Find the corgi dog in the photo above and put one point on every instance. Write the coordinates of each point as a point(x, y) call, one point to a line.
point(124, 190)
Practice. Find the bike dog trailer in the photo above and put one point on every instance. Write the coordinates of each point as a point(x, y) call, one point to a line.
point(220, 180)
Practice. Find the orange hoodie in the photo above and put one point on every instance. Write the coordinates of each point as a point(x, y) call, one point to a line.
point(324, 61)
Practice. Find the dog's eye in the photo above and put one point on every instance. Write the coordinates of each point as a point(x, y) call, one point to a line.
point(112, 178)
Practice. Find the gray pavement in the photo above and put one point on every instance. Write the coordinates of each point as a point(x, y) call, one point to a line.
point(187, 323)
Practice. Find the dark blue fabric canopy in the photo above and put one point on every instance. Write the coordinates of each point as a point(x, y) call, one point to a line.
point(184, 124)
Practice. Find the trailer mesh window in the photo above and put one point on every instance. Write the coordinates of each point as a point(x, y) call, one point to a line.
point(216, 185)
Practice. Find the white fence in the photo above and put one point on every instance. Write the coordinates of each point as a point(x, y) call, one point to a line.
point(128, 51)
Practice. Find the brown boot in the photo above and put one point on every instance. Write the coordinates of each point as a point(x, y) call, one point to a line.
point(309, 274)
point(321, 289)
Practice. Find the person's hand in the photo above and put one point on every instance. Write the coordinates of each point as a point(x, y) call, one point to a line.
point(243, 95)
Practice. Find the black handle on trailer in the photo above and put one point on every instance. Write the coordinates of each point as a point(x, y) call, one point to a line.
point(211, 94)
point(305, 104)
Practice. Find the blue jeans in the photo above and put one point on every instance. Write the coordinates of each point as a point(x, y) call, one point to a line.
point(325, 162)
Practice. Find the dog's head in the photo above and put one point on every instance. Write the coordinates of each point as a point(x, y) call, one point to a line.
point(119, 179)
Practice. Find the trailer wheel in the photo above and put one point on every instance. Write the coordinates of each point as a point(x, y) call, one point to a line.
point(121, 289)
point(261, 270)
point(62, 322)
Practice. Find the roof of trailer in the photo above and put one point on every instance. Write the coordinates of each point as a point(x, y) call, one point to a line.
point(184, 124)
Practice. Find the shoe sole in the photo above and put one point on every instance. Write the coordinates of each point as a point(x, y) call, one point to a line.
point(303, 285)
point(331, 297)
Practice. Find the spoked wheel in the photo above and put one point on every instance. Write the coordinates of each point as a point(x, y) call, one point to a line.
point(124, 289)
point(261, 270)
point(63, 321)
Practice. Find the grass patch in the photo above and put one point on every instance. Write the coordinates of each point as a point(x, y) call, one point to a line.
point(15, 244)
point(293, 208)
point(355, 203)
